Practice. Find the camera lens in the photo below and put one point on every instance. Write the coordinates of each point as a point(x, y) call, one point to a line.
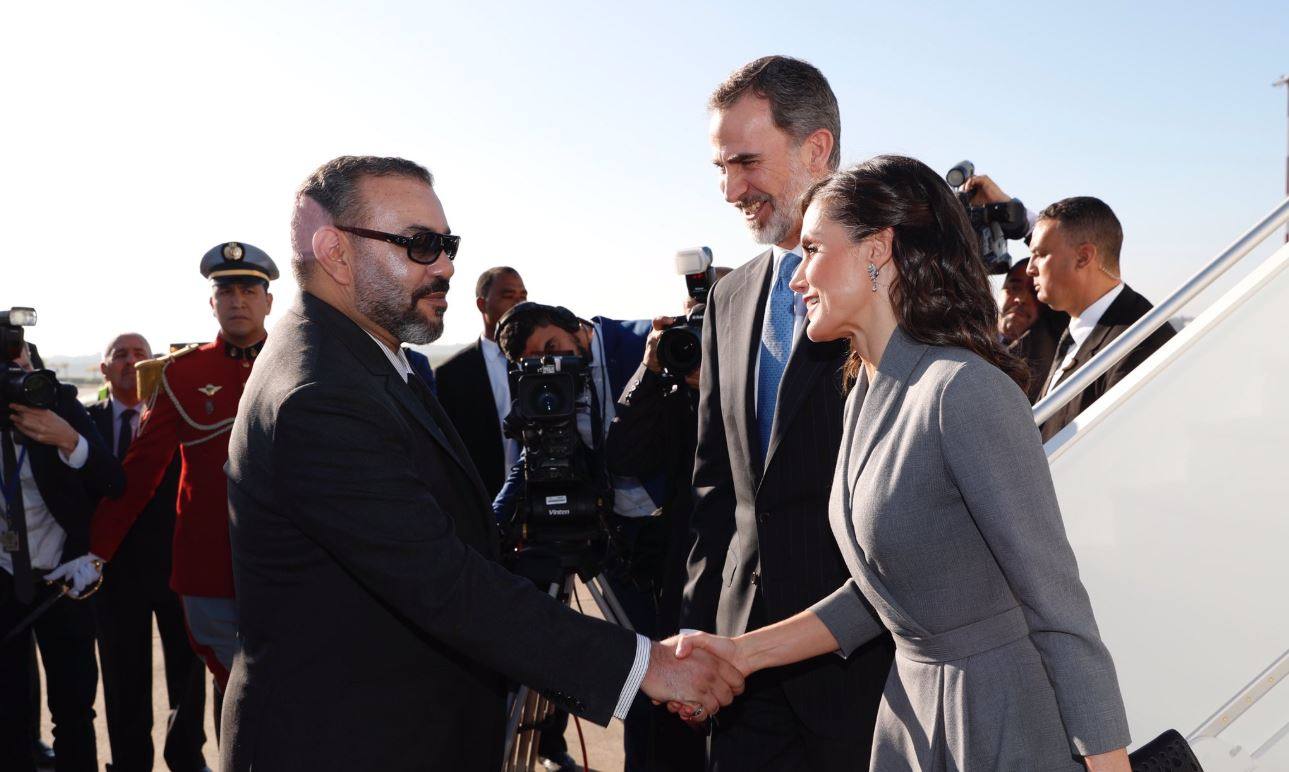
point(39, 390)
point(547, 401)
point(680, 350)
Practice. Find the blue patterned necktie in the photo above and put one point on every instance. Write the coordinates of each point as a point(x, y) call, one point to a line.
point(776, 346)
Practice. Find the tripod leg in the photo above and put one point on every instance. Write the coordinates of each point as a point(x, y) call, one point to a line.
point(608, 602)
point(519, 705)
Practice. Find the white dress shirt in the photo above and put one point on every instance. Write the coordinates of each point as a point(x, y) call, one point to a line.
point(499, 378)
point(45, 537)
point(396, 357)
point(1081, 326)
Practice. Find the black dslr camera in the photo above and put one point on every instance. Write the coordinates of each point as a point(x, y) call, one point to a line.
point(994, 223)
point(680, 348)
point(38, 388)
point(565, 499)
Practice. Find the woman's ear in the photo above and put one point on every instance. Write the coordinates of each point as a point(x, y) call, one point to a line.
point(882, 242)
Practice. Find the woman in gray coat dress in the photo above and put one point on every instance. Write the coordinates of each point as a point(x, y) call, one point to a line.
point(942, 502)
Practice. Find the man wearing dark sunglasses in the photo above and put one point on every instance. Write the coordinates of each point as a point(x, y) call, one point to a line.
point(376, 622)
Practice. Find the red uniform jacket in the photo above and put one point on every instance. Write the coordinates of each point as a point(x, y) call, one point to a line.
point(193, 411)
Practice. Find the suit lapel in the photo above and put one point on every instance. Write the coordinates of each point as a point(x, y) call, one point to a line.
point(884, 397)
point(367, 351)
point(747, 308)
point(483, 387)
point(101, 412)
point(1114, 317)
point(431, 417)
point(808, 362)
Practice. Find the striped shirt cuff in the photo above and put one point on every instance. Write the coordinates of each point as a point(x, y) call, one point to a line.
point(634, 678)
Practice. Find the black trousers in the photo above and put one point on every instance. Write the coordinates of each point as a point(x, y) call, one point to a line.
point(124, 609)
point(65, 635)
point(761, 732)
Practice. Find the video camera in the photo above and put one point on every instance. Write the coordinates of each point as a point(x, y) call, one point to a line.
point(680, 348)
point(38, 388)
point(995, 223)
point(565, 499)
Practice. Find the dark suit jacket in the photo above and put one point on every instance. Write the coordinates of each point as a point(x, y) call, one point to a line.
point(375, 623)
point(70, 494)
point(767, 533)
point(466, 394)
point(146, 549)
point(1122, 313)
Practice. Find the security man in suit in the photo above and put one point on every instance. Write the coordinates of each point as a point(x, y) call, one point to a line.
point(136, 589)
point(54, 465)
point(1074, 261)
point(473, 383)
point(769, 428)
point(192, 411)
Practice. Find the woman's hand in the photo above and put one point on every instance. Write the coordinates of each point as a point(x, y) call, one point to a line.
point(727, 649)
point(1111, 761)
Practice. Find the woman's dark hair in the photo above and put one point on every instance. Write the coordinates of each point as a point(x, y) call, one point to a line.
point(941, 293)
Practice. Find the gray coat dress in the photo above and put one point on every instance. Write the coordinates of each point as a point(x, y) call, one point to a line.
point(945, 513)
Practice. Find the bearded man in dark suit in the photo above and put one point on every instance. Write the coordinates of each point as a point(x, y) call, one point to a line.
point(769, 427)
point(376, 624)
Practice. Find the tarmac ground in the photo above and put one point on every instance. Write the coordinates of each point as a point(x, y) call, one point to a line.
point(603, 745)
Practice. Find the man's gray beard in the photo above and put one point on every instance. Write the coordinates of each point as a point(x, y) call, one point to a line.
point(784, 218)
point(379, 297)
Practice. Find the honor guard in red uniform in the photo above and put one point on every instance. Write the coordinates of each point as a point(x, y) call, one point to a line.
point(191, 410)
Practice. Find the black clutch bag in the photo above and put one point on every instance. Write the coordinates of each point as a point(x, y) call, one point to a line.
point(1169, 752)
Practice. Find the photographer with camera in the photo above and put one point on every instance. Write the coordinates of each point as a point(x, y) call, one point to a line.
point(55, 464)
point(600, 355)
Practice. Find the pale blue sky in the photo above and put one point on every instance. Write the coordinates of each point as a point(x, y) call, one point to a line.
point(570, 140)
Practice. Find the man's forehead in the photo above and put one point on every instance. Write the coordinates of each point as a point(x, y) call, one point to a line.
point(507, 281)
point(127, 342)
point(747, 126)
point(397, 202)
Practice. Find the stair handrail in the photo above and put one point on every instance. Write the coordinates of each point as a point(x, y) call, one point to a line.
point(1244, 699)
point(1158, 316)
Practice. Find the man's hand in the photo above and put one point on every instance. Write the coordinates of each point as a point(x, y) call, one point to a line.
point(985, 191)
point(726, 649)
point(660, 323)
point(701, 681)
point(45, 427)
point(80, 573)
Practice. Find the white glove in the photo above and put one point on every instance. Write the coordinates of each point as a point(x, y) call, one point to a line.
point(82, 572)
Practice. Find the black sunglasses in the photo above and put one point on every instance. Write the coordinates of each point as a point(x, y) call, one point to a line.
point(423, 248)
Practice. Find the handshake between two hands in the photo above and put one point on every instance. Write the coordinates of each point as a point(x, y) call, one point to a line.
point(696, 674)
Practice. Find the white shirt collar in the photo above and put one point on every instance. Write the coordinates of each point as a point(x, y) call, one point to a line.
point(1082, 324)
point(396, 357)
point(490, 348)
point(779, 252)
point(118, 408)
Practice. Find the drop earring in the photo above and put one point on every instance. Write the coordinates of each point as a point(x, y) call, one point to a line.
point(872, 274)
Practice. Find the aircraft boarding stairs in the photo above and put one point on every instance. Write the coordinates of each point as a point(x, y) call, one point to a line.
point(1175, 491)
